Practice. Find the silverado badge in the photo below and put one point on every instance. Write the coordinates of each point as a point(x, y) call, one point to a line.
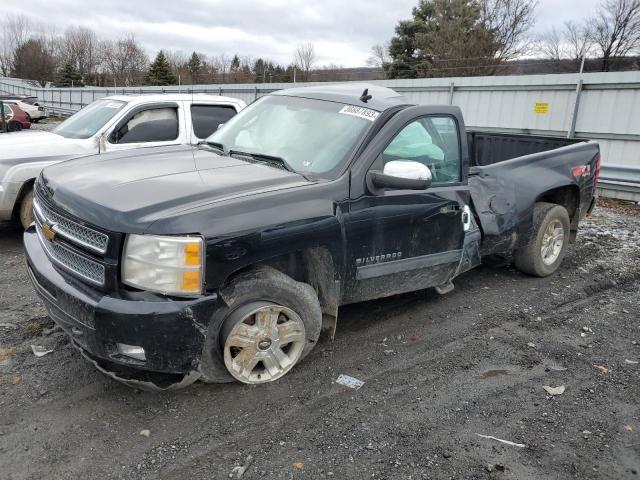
point(48, 232)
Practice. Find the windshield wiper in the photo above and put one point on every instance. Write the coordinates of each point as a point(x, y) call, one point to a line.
point(277, 162)
point(215, 145)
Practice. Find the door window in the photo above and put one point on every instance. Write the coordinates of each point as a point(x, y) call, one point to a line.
point(207, 118)
point(432, 141)
point(152, 125)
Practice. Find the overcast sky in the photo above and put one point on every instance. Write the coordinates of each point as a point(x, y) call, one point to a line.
point(341, 30)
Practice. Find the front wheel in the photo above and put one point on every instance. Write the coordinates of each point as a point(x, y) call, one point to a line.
point(548, 246)
point(262, 342)
point(26, 209)
point(268, 323)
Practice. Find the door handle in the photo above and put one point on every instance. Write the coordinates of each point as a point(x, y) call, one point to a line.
point(451, 209)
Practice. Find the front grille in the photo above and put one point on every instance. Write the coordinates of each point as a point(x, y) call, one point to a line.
point(73, 231)
point(72, 261)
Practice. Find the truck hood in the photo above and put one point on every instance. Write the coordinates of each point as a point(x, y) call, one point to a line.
point(19, 147)
point(126, 192)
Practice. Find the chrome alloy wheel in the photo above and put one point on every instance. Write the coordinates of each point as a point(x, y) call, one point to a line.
point(552, 242)
point(264, 344)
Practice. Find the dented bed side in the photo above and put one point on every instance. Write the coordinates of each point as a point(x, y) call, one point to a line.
point(504, 193)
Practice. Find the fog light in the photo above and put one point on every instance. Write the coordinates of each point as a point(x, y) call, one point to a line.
point(132, 351)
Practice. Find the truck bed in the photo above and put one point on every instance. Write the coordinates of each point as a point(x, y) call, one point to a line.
point(487, 148)
point(510, 173)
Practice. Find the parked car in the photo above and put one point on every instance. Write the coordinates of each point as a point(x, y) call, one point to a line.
point(15, 118)
point(31, 100)
point(110, 124)
point(224, 262)
point(34, 112)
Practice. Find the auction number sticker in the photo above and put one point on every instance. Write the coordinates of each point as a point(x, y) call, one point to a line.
point(361, 112)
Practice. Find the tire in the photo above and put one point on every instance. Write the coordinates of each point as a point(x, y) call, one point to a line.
point(546, 250)
point(262, 288)
point(14, 127)
point(25, 212)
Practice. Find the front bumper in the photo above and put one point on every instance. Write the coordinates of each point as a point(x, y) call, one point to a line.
point(172, 332)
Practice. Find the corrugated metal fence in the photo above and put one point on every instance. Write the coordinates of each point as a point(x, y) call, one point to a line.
point(596, 106)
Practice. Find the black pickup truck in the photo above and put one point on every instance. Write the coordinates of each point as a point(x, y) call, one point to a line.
point(227, 260)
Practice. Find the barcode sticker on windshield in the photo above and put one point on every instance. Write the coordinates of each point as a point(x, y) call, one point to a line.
point(361, 112)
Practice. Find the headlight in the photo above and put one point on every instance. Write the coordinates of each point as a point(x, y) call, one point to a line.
point(169, 265)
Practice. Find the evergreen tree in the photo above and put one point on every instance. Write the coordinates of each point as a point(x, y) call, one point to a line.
point(160, 72)
point(195, 66)
point(457, 37)
point(69, 76)
point(235, 63)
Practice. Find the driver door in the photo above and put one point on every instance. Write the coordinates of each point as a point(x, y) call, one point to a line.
point(402, 239)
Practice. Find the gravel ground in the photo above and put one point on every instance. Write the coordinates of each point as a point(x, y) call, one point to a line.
point(44, 126)
point(437, 372)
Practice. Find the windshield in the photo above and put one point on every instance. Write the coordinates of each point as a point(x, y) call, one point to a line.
point(89, 120)
point(314, 137)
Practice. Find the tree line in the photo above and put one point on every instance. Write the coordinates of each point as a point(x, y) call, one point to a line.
point(77, 57)
point(446, 38)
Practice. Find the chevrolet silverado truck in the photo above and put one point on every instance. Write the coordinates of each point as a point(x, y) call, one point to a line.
point(225, 261)
point(111, 124)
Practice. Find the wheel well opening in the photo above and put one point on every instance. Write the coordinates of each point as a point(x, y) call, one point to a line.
point(313, 266)
point(26, 186)
point(567, 196)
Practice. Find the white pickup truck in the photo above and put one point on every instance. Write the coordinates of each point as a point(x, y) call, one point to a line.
point(110, 124)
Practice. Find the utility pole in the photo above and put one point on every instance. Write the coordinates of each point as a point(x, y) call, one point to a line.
point(582, 64)
point(294, 74)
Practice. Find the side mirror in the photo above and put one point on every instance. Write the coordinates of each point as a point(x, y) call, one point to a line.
point(402, 175)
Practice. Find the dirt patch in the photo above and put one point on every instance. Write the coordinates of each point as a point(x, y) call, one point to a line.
point(437, 372)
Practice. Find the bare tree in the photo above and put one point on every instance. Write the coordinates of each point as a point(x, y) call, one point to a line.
point(222, 65)
point(550, 44)
point(510, 20)
point(179, 64)
point(16, 30)
point(125, 60)
point(616, 29)
point(80, 47)
point(379, 56)
point(304, 58)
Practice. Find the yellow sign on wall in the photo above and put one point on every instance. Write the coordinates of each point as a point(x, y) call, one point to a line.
point(541, 108)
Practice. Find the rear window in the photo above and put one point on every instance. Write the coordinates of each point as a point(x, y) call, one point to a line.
point(207, 118)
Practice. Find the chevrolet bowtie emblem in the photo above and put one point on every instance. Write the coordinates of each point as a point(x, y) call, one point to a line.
point(48, 232)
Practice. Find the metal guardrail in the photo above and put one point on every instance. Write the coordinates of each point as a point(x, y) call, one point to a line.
point(623, 179)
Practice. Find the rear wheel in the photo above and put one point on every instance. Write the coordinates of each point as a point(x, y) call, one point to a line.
point(548, 246)
point(26, 209)
point(268, 323)
point(14, 127)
